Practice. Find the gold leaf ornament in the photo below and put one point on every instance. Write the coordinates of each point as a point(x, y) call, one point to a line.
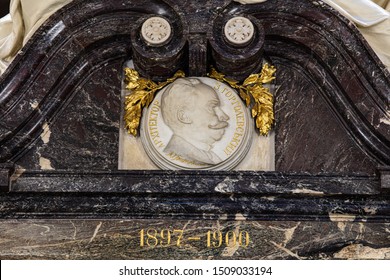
point(132, 78)
point(251, 80)
point(267, 74)
point(252, 91)
point(142, 94)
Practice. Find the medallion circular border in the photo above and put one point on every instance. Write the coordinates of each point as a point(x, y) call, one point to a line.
point(227, 96)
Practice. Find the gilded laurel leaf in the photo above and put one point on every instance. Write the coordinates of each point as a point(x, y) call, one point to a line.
point(267, 93)
point(149, 99)
point(142, 94)
point(252, 89)
point(245, 96)
point(267, 74)
point(135, 97)
point(134, 111)
point(132, 119)
point(133, 106)
point(264, 101)
point(232, 83)
point(263, 124)
point(145, 84)
point(178, 74)
point(267, 80)
point(251, 80)
point(216, 75)
point(131, 78)
point(255, 110)
point(256, 91)
point(132, 85)
point(131, 74)
point(265, 118)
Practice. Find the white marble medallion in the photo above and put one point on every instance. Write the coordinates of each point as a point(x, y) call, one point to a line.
point(197, 123)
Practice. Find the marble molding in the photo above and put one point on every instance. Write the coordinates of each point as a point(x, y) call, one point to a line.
point(60, 107)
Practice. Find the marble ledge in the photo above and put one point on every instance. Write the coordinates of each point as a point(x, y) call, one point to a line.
point(191, 182)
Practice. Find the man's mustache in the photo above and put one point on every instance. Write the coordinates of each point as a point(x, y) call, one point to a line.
point(219, 125)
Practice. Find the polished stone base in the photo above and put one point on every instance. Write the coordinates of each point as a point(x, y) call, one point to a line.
point(120, 239)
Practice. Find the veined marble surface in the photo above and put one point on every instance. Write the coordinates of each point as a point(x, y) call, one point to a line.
point(120, 239)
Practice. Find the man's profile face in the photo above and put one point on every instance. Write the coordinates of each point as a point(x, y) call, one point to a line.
point(208, 119)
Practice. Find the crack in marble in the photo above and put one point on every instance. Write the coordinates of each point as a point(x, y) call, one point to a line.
point(95, 232)
point(75, 230)
point(288, 232)
point(47, 229)
point(289, 252)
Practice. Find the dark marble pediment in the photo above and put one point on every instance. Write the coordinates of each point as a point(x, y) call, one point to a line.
point(332, 103)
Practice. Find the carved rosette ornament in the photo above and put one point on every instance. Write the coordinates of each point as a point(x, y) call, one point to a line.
point(156, 31)
point(236, 45)
point(239, 31)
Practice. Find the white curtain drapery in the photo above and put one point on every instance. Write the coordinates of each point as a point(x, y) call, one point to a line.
point(24, 19)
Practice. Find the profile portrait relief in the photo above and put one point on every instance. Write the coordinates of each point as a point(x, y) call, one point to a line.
point(196, 123)
point(192, 110)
